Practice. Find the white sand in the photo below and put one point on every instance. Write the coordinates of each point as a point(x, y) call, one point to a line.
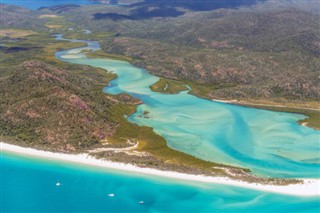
point(71, 56)
point(310, 187)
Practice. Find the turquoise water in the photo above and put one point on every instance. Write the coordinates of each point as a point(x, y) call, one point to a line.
point(269, 143)
point(35, 4)
point(29, 185)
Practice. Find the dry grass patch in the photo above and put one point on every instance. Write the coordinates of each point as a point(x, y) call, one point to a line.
point(53, 26)
point(45, 16)
point(15, 33)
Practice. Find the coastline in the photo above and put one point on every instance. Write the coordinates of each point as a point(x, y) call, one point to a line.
point(310, 187)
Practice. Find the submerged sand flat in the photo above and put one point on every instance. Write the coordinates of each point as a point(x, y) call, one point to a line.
point(269, 143)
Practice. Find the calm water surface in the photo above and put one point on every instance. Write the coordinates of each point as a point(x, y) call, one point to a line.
point(269, 143)
point(29, 185)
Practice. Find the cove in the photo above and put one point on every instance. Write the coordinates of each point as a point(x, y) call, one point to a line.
point(268, 143)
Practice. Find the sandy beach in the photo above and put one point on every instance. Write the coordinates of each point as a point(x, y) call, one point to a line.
point(310, 187)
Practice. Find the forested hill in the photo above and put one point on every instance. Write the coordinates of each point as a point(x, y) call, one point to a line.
point(246, 53)
point(235, 53)
point(14, 16)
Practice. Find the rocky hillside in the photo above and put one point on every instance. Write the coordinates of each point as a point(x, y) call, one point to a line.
point(50, 106)
point(244, 53)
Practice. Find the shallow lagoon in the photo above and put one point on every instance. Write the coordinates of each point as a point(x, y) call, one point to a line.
point(269, 143)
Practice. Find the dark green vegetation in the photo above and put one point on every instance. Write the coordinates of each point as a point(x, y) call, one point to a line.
point(168, 86)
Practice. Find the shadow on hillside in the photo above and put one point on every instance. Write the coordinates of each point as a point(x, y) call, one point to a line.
point(167, 8)
point(197, 5)
point(141, 13)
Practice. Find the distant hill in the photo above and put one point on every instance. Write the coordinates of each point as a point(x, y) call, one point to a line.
point(60, 8)
point(247, 53)
point(14, 16)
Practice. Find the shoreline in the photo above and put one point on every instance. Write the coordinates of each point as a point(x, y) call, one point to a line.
point(311, 113)
point(250, 104)
point(310, 187)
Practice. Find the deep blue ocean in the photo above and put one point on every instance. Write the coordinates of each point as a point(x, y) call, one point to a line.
point(35, 4)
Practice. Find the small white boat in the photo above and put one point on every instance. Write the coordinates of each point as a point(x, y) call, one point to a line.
point(58, 184)
point(111, 195)
point(141, 202)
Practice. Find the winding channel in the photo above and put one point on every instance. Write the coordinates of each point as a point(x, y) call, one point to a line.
point(269, 143)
